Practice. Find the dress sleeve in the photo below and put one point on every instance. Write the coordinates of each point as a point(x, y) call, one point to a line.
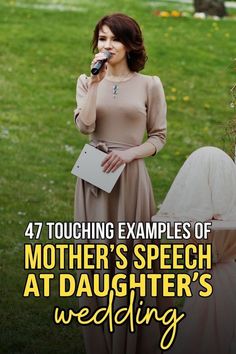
point(81, 92)
point(156, 114)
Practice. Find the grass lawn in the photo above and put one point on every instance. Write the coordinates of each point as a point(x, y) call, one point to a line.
point(43, 50)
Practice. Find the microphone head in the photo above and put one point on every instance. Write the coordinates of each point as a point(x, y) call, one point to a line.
point(107, 54)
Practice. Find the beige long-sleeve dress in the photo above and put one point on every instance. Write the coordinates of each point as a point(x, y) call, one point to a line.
point(121, 122)
point(124, 113)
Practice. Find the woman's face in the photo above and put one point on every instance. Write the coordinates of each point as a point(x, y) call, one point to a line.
point(108, 41)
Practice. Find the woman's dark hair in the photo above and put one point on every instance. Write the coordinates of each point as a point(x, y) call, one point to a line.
point(128, 32)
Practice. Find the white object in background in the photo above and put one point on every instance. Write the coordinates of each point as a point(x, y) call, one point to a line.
point(200, 15)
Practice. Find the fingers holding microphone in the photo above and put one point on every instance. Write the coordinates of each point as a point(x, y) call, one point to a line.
point(99, 65)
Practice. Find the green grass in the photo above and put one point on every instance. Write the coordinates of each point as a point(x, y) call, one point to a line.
point(42, 54)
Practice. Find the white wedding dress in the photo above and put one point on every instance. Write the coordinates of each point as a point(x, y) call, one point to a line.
point(204, 188)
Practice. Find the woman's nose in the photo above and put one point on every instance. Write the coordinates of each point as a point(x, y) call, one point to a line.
point(108, 44)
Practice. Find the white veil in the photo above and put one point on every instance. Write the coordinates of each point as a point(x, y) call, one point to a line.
point(204, 188)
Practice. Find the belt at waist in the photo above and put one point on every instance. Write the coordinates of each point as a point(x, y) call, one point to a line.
point(107, 146)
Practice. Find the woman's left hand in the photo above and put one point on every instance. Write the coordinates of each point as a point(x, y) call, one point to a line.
point(117, 158)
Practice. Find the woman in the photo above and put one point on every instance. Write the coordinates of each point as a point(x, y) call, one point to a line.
point(117, 107)
point(205, 189)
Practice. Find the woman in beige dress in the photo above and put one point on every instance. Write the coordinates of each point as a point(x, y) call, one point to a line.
point(118, 107)
point(205, 190)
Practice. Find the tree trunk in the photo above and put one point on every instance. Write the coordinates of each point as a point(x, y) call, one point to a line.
point(211, 7)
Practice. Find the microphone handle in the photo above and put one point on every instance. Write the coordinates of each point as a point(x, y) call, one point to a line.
point(97, 66)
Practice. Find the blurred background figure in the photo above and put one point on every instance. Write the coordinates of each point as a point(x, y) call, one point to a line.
point(210, 7)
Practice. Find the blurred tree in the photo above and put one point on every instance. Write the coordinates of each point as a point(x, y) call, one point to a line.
point(211, 7)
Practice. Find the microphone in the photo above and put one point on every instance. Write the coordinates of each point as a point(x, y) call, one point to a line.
point(99, 64)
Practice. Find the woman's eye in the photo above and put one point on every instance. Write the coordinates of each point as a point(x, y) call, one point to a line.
point(103, 39)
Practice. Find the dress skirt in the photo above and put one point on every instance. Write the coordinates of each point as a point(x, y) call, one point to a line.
point(131, 200)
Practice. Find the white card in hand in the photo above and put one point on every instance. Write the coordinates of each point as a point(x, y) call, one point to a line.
point(88, 167)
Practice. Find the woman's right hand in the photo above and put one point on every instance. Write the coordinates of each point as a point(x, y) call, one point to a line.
point(100, 76)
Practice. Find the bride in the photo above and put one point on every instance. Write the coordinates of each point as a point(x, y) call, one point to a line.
point(205, 189)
